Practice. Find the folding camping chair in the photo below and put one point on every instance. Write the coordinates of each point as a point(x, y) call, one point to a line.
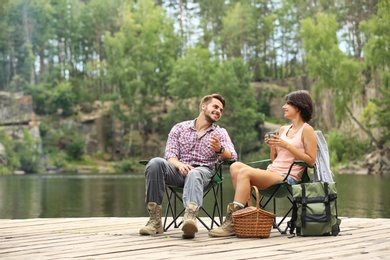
point(280, 190)
point(215, 212)
point(283, 190)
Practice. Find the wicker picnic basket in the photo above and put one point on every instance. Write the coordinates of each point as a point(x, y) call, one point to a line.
point(253, 221)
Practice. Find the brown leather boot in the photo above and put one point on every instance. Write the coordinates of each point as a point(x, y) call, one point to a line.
point(154, 225)
point(227, 227)
point(189, 220)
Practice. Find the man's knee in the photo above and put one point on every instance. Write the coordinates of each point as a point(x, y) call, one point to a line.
point(196, 177)
point(154, 166)
point(156, 161)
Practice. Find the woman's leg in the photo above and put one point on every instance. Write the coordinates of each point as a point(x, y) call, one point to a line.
point(248, 177)
point(234, 170)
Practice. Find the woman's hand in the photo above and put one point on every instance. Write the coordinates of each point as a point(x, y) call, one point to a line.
point(274, 140)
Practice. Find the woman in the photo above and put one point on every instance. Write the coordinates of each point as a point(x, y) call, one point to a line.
point(296, 141)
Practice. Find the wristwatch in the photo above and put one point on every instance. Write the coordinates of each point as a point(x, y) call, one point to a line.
point(221, 150)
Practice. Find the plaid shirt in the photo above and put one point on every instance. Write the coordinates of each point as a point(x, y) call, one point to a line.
point(184, 144)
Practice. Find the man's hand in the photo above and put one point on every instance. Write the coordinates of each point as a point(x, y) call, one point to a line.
point(214, 143)
point(184, 169)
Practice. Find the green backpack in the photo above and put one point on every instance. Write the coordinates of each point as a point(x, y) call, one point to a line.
point(315, 209)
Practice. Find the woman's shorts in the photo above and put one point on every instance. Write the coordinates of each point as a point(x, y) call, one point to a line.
point(290, 180)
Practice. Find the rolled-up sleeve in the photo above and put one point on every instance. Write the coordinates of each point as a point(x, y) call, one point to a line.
point(172, 148)
point(227, 143)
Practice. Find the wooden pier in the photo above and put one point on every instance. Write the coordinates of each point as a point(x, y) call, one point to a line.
point(118, 238)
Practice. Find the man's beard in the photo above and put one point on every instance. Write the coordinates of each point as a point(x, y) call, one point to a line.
point(209, 117)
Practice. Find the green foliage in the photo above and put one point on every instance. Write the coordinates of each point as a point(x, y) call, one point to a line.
point(235, 28)
point(369, 115)
point(71, 142)
point(12, 161)
point(40, 97)
point(140, 58)
point(327, 64)
point(241, 117)
point(43, 129)
point(377, 53)
point(62, 98)
point(28, 152)
point(75, 148)
point(232, 80)
point(51, 100)
point(125, 166)
point(72, 52)
point(383, 111)
point(377, 57)
point(23, 154)
point(345, 148)
point(192, 74)
point(63, 140)
point(58, 158)
point(179, 113)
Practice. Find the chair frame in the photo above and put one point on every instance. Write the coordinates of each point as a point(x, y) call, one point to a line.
point(281, 190)
point(215, 186)
point(174, 197)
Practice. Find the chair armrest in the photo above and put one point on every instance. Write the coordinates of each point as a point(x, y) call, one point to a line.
point(228, 161)
point(224, 162)
point(260, 161)
point(144, 162)
point(302, 163)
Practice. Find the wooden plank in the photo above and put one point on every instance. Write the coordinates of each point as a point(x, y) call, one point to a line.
point(118, 238)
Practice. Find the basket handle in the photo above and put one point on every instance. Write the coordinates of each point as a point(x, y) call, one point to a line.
point(257, 197)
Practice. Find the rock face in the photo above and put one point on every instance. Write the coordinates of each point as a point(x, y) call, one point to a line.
point(15, 109)
point(375, 163)
point(104, 134)
point(17, 115)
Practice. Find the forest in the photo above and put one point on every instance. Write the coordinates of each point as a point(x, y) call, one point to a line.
point(151, 61)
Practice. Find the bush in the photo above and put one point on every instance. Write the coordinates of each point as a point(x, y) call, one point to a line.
point(344, 148)
point(28, 152)
point(12, 161)
point(125, 166)
point(75, 149)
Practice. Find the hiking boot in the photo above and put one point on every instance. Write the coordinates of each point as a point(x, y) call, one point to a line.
point(154, 225)
point(227, 227)
point(189, 220)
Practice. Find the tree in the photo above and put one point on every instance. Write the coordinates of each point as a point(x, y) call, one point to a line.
point(331, 69)
point(235, 31)
point(140, 57)
point(192, 73)
point(241, 118)
point(377, 63)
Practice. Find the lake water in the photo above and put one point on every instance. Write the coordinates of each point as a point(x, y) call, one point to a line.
point(122, 195)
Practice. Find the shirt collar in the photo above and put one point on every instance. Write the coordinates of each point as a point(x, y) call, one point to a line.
point(210, 128)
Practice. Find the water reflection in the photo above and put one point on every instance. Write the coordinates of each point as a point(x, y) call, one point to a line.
point(122, 195)
point(41, 196)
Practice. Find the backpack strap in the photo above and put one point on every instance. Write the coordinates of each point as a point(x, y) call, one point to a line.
point(336, 227)
point(326, 201)
point(304, 205)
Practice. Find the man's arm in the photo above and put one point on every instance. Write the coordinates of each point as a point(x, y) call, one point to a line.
point(226, 142)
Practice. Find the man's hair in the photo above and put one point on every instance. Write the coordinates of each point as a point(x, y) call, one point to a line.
point(207, 99)
point(302, 100)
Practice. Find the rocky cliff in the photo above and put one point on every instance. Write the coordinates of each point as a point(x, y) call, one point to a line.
point(105, 135)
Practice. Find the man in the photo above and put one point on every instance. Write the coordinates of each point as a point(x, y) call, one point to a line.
point(193, 148)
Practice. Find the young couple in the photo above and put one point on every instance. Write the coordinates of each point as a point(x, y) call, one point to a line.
point(194, 147)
